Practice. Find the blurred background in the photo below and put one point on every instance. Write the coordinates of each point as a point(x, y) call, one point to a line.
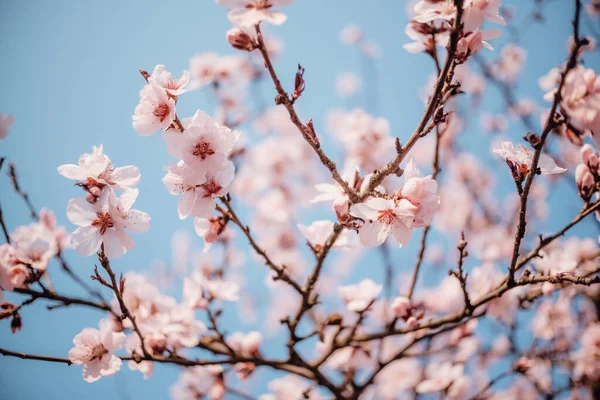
point(69, 75)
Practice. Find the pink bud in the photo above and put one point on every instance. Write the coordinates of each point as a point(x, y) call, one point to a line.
point(90, 198)
point(240, 40)
point(401, 306)
point(590, 157)
point(584, 181)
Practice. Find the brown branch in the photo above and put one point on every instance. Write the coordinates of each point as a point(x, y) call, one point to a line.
point(549, 125)
point(307, 133)
point(66, 300)
point(25, 356)
point(116, 287)
point(442, 89)
point(280, 272)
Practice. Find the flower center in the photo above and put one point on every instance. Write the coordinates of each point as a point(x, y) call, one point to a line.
point(386, 216)
point(203, 149)
point(103, 222)
point(161, 111)
point(211, 188)
point(98, 351)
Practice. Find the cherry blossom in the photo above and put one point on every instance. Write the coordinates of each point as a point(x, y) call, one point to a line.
point(580, 97)
point(209, 229)
point(519, 160)
point(358, 297)
point(156, 110)
point(105, 222)
point(421, 192)
point(440, 377)
point(6, 120)
point(161, 77)
point(93, 349)
point(246, 344)
point(95, 171)
point(383, 217)
point(198, 382)
point(319, 231)
point(252, 12)
point(203, 143)
point(13, 274)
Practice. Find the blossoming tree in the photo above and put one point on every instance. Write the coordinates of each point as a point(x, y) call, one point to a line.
point(458, 337)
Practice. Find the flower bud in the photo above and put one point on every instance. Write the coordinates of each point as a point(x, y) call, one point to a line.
point(401, 307)
point(240, 40)
point(584, 181)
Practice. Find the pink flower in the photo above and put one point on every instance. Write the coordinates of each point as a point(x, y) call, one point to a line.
point(161, 77)
point(198, 192)
point(198, 382)
point(421, 192)
point(92, 350)
point(105, 223)
point(34, 245)
point(319, 231)
point(209, 229)
point(472, 42)
point(203, 142)
point(383, 217)
point(245, 344)
point(587, 359)
point(585, 181)
point(13, 274)
point(430, 10)
point(519, 159)
point(290, 387)
point(347, 84)
point(580, 98)
point(422, 36)
point(358, 297)
point(401, 307)
point(6, 120)
point(156, 110)
point(252, 12)
point(440, 377)
point(96, 170)
point(478, 10)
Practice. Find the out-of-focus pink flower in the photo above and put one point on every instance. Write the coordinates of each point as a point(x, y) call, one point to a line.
point(580, 98)
point(400, 306)
point(319, 231)
point(347, 84)
point(358, 297)
point(252, 12)
point(351, 34)
point(156, 110)
point(92, 350)
point(247, 344)
point(105, 223)
point(197, 382)
point(6, 120)
point(587, 359)
point(161, 77)
point(384, 217)
point(13, 274)
point(584, 180)
point(290, 387)
point(440, 377)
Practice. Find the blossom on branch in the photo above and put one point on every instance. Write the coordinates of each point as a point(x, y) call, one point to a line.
point(252, 12)
point(93, 349)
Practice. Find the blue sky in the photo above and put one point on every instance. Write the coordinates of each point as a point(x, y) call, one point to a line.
point(69, 75)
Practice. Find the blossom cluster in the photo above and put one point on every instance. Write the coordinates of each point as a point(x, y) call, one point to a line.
point(489, 269)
